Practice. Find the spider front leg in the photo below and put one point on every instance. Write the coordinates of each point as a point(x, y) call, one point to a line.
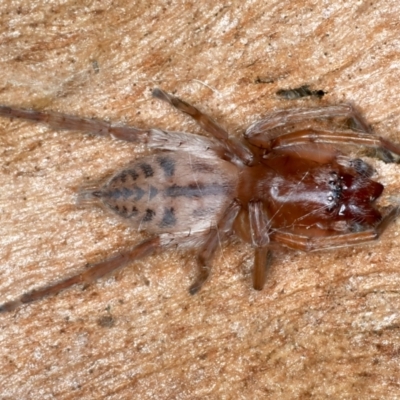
point(214, 237)
point(282, 118)
point(93, 273)
point(385, 148)
point(261, 135)
point(72, 122)
point(311, 243)
point(235, 149)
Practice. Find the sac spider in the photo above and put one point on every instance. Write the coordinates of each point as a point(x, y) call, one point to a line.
point(291, 188)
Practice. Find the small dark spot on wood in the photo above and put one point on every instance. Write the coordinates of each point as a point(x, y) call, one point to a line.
point(297, 93)
point(261, 79)
point(95, 66)
point(106, 321)
point(319, 93)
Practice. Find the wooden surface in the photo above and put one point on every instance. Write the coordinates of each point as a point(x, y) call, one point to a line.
point(327, 325)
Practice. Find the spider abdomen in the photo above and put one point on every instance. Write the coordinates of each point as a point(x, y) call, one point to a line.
point(171, 192)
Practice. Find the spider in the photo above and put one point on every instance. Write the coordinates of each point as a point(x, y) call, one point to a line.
point(276, 187)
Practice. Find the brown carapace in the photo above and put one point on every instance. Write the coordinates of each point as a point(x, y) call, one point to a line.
point(278, 186)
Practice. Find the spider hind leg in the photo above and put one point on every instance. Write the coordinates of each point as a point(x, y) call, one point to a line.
point(88, 276)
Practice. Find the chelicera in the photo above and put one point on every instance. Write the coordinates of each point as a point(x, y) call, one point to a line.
point(278, 186)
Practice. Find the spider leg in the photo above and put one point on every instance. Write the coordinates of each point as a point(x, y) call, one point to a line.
point(262, 261)
point(259, 227)
point(72, 122)
point(262, 134)
point(88, 276)
point(311, 136)
point(153, 138)
point(207, 250)
point(291, 116)
point(234, 148)
point(311, 243)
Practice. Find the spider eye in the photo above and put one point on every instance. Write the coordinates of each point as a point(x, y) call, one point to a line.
point(331, 202)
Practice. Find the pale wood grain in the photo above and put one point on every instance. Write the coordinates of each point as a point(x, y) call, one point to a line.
point(325, 326)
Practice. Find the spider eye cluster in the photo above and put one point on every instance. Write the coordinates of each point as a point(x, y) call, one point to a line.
point(336, 186)
point(351, 196)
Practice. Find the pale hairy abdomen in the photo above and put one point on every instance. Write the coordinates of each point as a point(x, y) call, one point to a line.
point(171, 192)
